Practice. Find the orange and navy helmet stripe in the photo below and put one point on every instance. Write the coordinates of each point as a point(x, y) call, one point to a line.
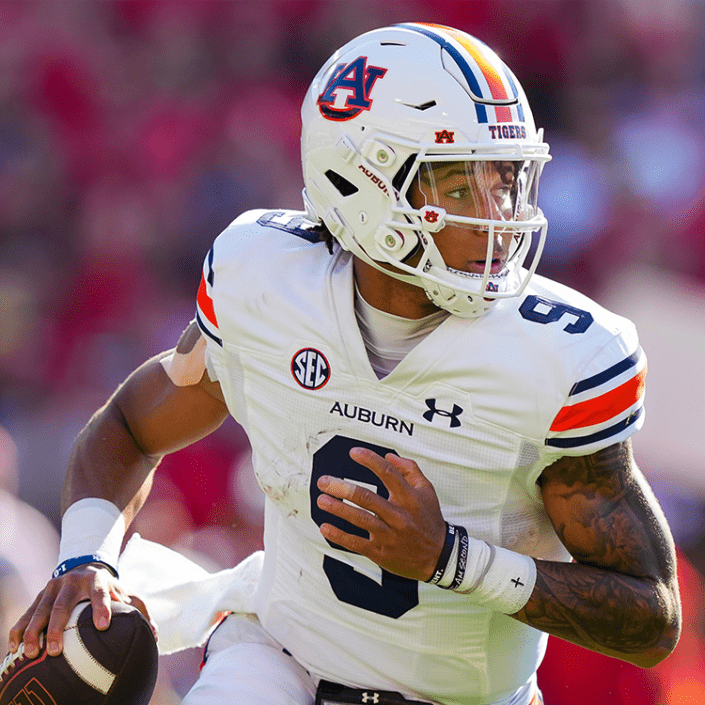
point(487, 77)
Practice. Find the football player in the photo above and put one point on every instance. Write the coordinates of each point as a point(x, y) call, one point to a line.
point(442, 435)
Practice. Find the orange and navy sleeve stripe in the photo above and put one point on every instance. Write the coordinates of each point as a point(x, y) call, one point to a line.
point(602, 408)
point(205, 311)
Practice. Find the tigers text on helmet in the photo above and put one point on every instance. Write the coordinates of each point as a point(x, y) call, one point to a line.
point(417, 127)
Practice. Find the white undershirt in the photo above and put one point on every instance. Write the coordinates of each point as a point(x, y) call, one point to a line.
point(388, 338)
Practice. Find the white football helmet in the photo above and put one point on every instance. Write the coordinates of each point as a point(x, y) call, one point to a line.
point(385, 120)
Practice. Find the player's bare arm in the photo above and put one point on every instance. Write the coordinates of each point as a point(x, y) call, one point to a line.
point(151, 414)
point(159, 409)
point(620, 597)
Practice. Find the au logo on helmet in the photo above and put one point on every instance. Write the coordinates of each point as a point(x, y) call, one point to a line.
point(445, 137)
point(357, 80)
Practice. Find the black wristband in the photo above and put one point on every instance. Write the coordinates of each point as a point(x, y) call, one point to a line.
point(445, 555)
point(463, 549)
point(67, 565)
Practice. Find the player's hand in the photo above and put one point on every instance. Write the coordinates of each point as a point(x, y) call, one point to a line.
point(53, 606)
point(406, 531)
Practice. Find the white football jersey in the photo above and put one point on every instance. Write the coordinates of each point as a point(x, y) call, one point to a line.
point(482, 405)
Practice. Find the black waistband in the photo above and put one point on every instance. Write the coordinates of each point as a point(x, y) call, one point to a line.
point(329, 693)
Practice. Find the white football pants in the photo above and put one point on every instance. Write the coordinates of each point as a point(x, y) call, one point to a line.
point(245, 666)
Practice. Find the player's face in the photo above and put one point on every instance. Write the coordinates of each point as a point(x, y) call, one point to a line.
point(486, 190)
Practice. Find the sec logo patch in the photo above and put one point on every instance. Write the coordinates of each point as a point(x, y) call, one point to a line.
point(310, 368)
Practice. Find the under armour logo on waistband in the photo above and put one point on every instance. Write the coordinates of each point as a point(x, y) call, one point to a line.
point(452, 415)
point(370, 697)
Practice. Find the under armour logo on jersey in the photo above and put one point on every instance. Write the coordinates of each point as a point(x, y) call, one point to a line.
point(370, 697)
point(352, 82)
point(452, 415)
point(310, 368)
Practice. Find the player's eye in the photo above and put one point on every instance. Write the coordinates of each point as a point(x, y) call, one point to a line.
point(459, 193)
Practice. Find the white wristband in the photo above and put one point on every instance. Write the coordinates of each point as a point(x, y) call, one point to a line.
point(506, 583)
point(491, 576)
point(92, 527)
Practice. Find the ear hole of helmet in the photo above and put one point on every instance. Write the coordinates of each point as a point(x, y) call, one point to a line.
point(341, 183)
point(400, 176)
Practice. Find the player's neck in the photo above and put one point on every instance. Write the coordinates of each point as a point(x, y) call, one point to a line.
point(391, 295)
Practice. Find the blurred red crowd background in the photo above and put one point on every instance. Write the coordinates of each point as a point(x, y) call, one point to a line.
point(133, 131)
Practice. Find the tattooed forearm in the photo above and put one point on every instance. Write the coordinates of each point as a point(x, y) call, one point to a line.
point(621, 596)
point(603, 610)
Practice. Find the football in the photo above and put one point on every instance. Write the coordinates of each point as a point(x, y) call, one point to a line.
point(117, 666)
